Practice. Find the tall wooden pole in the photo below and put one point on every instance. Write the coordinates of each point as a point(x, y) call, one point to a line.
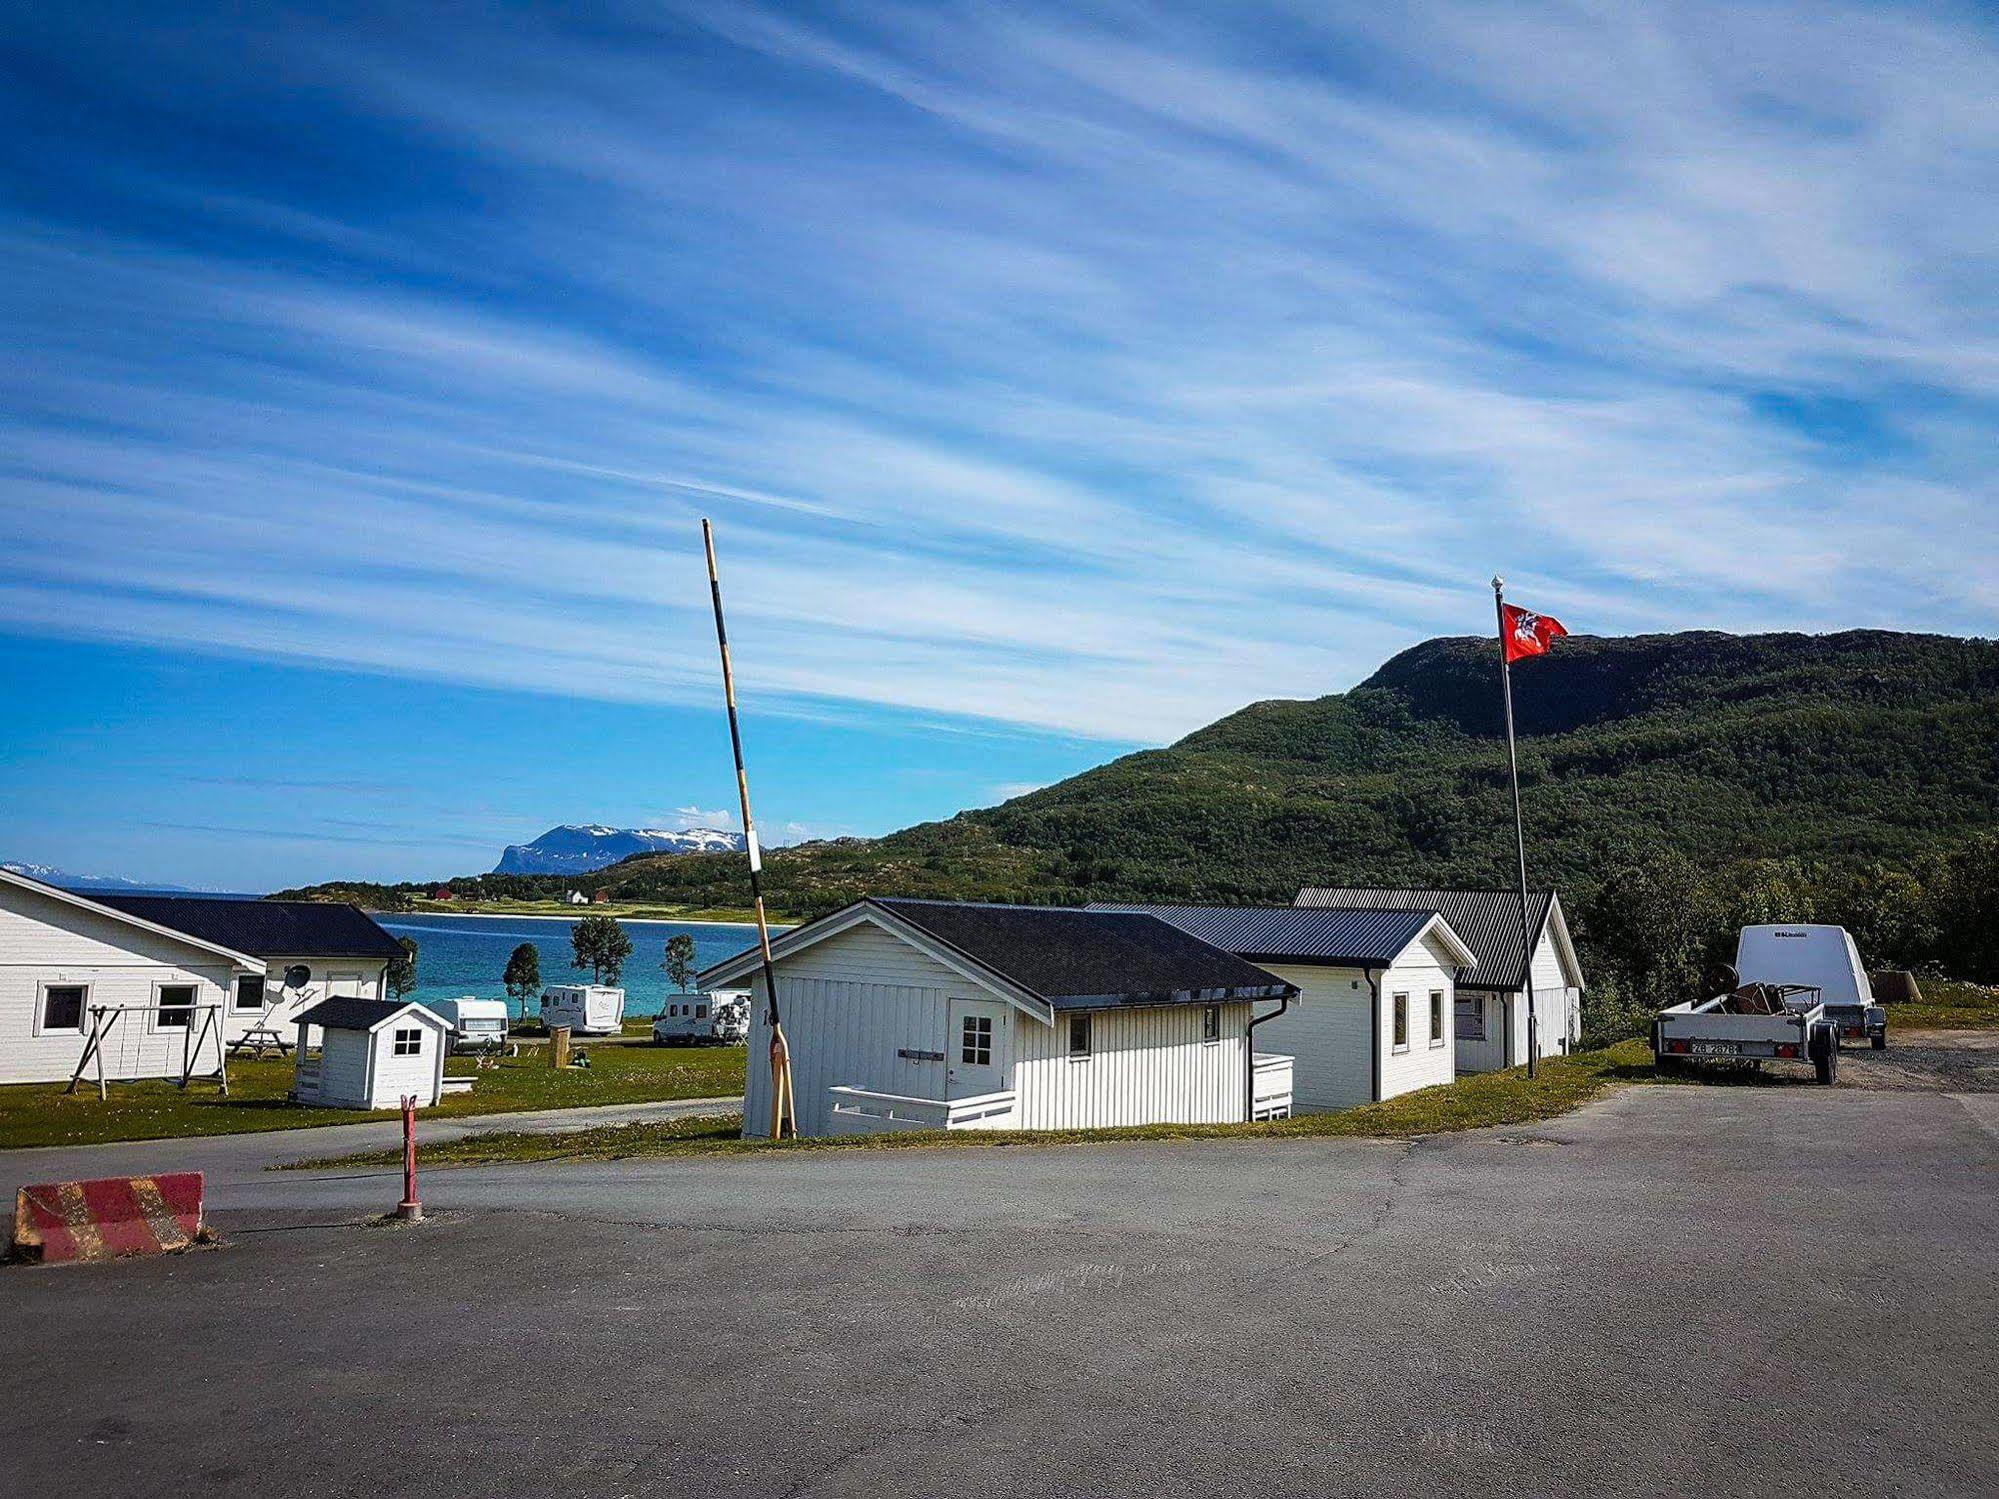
point(782, 1109)
point(1519, 827)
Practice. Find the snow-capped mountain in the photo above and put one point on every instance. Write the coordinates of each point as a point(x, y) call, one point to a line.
point(576, 848)
point(62, 879)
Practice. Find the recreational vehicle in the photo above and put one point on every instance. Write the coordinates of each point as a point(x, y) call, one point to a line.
point(722, 1015)
point(476, 1024)
point(587, 1009)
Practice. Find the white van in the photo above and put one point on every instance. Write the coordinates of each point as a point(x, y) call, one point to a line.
point(587, 1009)
point(722, 1015)
point(1822, 957)
point(476, 1024)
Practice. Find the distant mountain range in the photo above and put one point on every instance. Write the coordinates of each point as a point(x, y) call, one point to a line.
point(62, 879)
point(576, 848)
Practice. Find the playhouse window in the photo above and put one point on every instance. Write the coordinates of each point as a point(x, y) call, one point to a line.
point(409, 1043)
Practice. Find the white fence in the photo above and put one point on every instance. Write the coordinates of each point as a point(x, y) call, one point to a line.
point(858, 1111)
point(1270, 1086)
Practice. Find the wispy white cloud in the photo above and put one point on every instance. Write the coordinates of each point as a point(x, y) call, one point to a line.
point(1039, 371)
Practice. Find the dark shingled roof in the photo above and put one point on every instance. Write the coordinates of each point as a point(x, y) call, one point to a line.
point(1285, 934)
point(263, 928)
point(345, 1013)
point(1487, 920)
point(1079, 959)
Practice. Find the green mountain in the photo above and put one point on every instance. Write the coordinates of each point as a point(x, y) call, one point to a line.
point(1861, 746)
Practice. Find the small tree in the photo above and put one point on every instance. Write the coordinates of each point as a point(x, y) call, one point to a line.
point(679, 964)
point(523, 975)
point(401, 974)
point(599, 944)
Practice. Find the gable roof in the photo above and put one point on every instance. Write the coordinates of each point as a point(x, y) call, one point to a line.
point(268, 928)
point(101, 907)
point(1052, 957)
point(345, 1013)
point(1286, 934)
point(1487, 920)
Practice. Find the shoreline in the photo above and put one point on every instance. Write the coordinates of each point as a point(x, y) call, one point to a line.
point(389, 918)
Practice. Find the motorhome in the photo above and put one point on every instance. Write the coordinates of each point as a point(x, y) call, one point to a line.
point(1818, 957)
point(587, 1009)
point(721, 1015)
point(476, 1024)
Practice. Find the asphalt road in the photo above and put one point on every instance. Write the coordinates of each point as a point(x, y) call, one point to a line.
point(1718, 1290)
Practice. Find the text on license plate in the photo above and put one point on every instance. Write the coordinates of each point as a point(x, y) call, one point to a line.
point(1716, 1048)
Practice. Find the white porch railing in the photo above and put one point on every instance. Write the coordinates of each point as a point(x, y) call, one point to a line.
point(1270, 1086)
point(860, 1111)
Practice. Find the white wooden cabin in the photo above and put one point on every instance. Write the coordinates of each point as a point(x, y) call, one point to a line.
point(1491, 1021)
point(1377, 992)
point(908, 1014)
point(372, 1053)
point(64, 956)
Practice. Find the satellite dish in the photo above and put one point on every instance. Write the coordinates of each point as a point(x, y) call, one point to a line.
point(297, 976)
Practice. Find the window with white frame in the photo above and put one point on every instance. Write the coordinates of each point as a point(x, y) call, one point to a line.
point(62, 1008)
point(1436, 1017)
point(1401, 1022)
point(176, 1006)
point(249, 991)
point(1211, 1022)
point(409, 1042)
point(1079, 1034)
point(975, 1041)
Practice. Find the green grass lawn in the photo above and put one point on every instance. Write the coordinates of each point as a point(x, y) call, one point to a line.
point(1947, 1005)
point(40, 1113)
point(1473, 1102)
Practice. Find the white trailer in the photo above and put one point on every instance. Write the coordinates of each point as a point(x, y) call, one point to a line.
point(476, 1024)
point(1754, 1024)
point(1823, 958)
point(587, 1009)
point(721, 1015)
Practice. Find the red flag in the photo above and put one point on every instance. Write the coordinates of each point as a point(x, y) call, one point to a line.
point(1528, 633)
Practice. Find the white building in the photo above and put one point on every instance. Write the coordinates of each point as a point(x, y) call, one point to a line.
point(1491, 1021)
point(372, 1054)
point(173, 965)
point(1375, 1014)
point(909, 1014)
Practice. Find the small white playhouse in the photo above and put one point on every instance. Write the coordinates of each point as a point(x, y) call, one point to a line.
point(372, 1054)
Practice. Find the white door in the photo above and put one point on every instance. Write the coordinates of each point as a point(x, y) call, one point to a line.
point(980, 1047)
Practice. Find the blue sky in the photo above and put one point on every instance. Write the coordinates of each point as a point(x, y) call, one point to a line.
point(1059, 379)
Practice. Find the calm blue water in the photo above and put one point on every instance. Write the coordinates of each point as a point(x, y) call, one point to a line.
point(467, 954)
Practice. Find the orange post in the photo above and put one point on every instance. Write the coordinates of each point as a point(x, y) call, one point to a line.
point(409, 1209)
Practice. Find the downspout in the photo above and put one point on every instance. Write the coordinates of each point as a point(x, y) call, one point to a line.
point(1249, 1055)
point(1373, 977)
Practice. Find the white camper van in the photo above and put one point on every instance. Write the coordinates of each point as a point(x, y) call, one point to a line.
point(587, 1009)
point(1820, 957)
point(476, 1024)
point(722, 1015)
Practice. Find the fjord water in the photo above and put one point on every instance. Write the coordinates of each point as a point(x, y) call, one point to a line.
point(467, 954)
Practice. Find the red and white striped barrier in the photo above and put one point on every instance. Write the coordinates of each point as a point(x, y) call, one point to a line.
point(108, 1219)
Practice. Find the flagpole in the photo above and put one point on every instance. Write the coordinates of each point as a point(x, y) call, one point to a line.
point(782, 1108)
point(1519, 827)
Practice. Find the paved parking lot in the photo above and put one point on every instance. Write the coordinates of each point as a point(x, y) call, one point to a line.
point(1728, 1290)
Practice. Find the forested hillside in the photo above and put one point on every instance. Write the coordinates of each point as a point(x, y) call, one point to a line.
point(1847, 774)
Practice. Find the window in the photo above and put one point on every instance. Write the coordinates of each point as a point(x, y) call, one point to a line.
point(409, 1043)
point(1470, 1018)
point(62, 1007)
point(249, 991)
point(975, 1041)
point(1401, 1022)
point(176, 1002)
point(1211, 1022)
point(700, 1012)
point(1079, 1034)
point(1436, 1017)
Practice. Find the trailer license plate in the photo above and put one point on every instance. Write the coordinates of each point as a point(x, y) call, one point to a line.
point(1717, 1048)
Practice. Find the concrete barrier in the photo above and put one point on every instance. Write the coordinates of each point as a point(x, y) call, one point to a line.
point(107, 1219)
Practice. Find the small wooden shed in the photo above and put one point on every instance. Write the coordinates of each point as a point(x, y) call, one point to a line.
point(373, 1053)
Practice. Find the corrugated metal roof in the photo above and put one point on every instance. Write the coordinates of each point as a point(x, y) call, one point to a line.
point(263, 928)
point(1077, 959)
point(1286, 934)
point(1487, 920)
